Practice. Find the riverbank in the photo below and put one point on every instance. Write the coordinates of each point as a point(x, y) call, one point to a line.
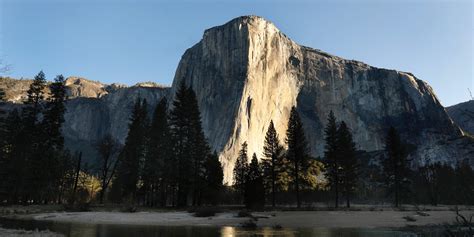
point(28, 233)
point(287, 219)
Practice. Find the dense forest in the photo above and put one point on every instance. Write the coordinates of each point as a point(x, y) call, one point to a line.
point(166, 161)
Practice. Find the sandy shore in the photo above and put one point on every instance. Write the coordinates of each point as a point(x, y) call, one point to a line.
point(27, 233)
point(291, 219)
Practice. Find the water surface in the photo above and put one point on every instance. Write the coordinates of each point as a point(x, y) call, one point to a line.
point(112, 230)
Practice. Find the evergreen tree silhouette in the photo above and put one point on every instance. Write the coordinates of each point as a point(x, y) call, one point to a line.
point(200, 150)
point(347, 157)
point(297, 152)
point(241, 170)
point(158, 166)
point(33, 155)
point(333, 166)
point(190, 147)
point(254, 188)
point(272, 159)
point(395, 165)
point(132, 154)
point(214, 175)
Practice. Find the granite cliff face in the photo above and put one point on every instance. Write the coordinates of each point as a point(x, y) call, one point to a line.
point(93, 109)
point(89, 119)
point(463, 115)
point(247, 72)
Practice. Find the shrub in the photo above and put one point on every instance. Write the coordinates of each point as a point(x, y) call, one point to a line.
point(205, 212)
point(249, 224)
point(244, 214)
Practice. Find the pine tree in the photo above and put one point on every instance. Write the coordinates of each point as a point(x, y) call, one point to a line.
point(254, 188)
point(54, 115)
point(333, 166)
point(241, 169)
point(52, 141)
point(395, 165)
point(214, 175)
point(158, 163)
point(297, 152)
point(35, 93)
point(347, 157)
point(272, 161)
point(128, 172)
point(464, 183)
point(200, 150)
point(34, 132)
point(14, 158)
point(189, 145)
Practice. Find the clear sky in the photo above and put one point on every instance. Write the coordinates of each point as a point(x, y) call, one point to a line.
point(132, 41)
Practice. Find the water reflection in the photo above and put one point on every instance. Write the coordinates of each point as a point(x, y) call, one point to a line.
point(112, 230)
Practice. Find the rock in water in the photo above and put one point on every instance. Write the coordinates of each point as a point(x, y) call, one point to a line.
point(246, 73)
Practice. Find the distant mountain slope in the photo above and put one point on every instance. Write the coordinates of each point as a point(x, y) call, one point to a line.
point(463, 115)
point(93, 109)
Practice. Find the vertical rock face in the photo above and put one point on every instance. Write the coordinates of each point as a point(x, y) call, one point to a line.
point(93, 109)
point(88, 119)
point(247, 72)
point(463, 115)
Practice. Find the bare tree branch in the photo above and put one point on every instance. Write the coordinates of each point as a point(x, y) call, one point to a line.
point(4, 67)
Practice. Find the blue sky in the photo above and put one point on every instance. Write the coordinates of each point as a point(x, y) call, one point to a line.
point(132, 41)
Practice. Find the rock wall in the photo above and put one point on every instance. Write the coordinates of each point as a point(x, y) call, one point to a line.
point(246, 73)
point(463, 115)
point(88, 119)
point(92, 110)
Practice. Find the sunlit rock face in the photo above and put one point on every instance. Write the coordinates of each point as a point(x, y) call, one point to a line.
point(80, 87)
point(246, 73)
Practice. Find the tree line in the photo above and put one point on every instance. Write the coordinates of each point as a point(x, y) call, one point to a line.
point(34, 166)
point(282, 170)
point(167, 161)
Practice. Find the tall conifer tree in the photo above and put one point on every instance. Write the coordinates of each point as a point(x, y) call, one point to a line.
point(214, 176)
point(347, 157)
point(128, 173)
point(158, 164)
point(254, 188)
point(297, 152)
point(272, 159)
point(395, 165)
point(241, 169)
point(190, 147)
point(333, 166)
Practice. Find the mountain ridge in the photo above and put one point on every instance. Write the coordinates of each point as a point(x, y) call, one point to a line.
point(246, 72)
